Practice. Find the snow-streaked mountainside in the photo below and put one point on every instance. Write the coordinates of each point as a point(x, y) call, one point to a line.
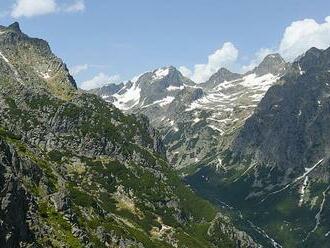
point(195, 119)
point(276, 169)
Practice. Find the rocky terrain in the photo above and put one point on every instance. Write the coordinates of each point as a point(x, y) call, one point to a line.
point(276, 171)
point(254, 143)
point(196, 120)
point(77, 172)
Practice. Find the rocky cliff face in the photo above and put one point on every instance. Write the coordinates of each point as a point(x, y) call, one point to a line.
point(278, 165)
point(290, 121)
point(32, 63)
point(77, 172)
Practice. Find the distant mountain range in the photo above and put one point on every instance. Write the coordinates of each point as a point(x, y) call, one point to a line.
point(195, 119)
point(254, 143)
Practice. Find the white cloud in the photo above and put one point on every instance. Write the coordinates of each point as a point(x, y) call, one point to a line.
point(223, 57)
point(77, 69)
point(258, 57)
point(185, 71)
point(30, 8)
point(297, 38)
point(77, 6)
point(99, 80)
point(302, 35)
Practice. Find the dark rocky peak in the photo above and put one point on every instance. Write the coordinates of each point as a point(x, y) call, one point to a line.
point(313, 59)
point(219, 77)
point(272, 63)
point(313, 52)
point(291, 114)
point(15, 27)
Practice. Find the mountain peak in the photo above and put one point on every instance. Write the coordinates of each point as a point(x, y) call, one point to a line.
point(225, 71)
point(222, 75)
point(314, 51)
point(34, 62)
point(225, 75)
point(165, 72)
point(15, 27)
point(314, 58)
point(272, 63)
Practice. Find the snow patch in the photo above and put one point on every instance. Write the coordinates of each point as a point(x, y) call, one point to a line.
point(218, 165)
point(174, 88)
point(262, 83)
point(4, 58)
point(161, 73)
point(165, 101)
point(301, 72)
point(196, 120)
point(129, 99)
point(45, 75)
point(217, 129)
point(302, 191)
point(307, 171)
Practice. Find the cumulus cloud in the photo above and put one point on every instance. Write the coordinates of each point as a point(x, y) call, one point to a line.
point(77, 69)
point(297, 38)
point(185, 71)
point(302, 35)
point(77, 6)
point(99, 80)
point(223, 57)
point(30, 8)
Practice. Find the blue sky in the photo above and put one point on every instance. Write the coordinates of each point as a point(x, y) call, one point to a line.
point(127, 37)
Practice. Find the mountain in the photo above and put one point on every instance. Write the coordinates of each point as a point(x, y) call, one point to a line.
point(197, 120)
point(276, 170)
point(152, 89)
point(77, 172)
point(107, 91)
point(272, 63)
point(31, 62)
point(219, 77)
point(256, 144)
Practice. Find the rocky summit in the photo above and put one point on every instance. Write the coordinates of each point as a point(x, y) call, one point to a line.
point(77, 172)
